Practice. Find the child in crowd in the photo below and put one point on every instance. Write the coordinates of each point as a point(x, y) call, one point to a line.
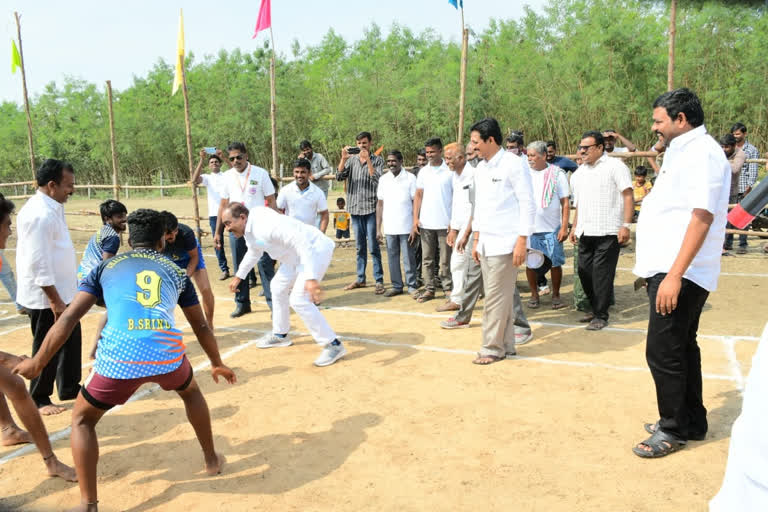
point(641, 187)
point(341, 220)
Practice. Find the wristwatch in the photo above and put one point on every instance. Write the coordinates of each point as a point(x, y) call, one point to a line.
point(627, 225)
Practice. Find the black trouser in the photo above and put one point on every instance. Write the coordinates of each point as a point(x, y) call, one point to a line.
point(64, 366)
point(674, 358)
point(598, 256)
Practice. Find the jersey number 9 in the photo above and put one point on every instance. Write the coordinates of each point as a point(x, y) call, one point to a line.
point(149, 283)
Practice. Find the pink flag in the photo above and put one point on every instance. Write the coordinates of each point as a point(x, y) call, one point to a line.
point(264, 20)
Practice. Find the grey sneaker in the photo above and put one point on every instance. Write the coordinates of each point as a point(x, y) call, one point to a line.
point(523, 338)
point(274, 341)
point(331, 354)
point(452, 323)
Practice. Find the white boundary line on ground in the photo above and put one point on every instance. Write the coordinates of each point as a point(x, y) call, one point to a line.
point(733, 362)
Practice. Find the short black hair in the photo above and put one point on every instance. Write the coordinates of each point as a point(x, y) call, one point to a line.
point(145, 227)
point(6, 208)
point(397, 154)
point(738, 127)
point(421, 152)
point(237, 146)
point(434, 142)
point(684, 101)
point(305, 144)
point(217, 157)
point(364, 135)
point(340, 200)
point(516, 137)
point(52, 170)
point(237, 209)
point(727, 140)
point(170, 220)
point(599, 139)
point(110, 207)
point(302, 162)
point(551, 144)
point(487, 128)
point(641, 170)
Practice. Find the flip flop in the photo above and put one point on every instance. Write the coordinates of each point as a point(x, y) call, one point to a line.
point(661, 445)
point(356, 284)
point(558, 303)
point(424, 297)
point(533, 303)
point(486, 360)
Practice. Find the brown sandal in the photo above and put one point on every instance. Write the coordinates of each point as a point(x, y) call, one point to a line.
point(379, 289)
point(356, 284)
point(486, 360)
point(426, 296)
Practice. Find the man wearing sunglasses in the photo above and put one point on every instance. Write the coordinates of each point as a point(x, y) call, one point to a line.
point(250, 185)
point(604, 203)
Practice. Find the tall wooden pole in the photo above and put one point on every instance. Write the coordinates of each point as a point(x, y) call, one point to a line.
point(463, 77)
point(26, 98)
point(672, 32)
point(189, 144)
point(115, 187)
point(273, 106)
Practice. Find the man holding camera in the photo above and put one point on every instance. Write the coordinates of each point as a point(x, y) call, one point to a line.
point(362, 170)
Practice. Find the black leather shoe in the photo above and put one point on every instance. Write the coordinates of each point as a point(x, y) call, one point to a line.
point(252, 283)
point(240, 310)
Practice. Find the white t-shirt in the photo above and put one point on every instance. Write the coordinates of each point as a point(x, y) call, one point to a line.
point(437, 184)
point(619, 149)
point(548, 219)
point(396, 194)
point(303, 205)
point(213, 183)
point(695, 175)
point(249, 187)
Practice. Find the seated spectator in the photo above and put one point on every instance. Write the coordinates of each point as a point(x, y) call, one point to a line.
point(641, 187)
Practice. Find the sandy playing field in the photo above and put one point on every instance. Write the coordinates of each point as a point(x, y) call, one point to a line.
point(405, 422)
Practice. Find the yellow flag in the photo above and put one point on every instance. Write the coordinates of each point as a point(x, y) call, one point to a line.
point(179, 52)
point(15, 57)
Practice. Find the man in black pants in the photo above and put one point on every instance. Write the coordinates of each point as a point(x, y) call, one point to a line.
point(46, 265)
point(680, 233)
point(604, 204)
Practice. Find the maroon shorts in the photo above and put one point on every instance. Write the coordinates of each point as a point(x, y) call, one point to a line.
point(105, 393)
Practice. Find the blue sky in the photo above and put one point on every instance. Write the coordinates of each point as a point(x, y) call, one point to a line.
point(105, 40)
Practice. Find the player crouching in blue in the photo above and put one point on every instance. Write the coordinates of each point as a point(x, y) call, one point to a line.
point(304, 254)
point(139, 344)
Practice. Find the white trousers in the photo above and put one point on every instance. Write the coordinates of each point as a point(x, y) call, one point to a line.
point(288, 292)
point(459, 268)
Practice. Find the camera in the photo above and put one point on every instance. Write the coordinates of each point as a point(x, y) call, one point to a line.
point(353, 151)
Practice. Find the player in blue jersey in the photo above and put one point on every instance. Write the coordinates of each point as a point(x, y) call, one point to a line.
point(102, 246)
point(16, 391)
point(139, 344)
point(182, 248)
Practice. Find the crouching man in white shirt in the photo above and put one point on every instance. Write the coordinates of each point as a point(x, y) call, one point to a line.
point(304, 254)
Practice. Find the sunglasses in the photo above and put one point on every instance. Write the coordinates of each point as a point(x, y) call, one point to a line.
point(236, 157)
point(585, 148)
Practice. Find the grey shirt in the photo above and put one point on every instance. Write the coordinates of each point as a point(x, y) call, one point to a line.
point(361, 186)
point(320, 168)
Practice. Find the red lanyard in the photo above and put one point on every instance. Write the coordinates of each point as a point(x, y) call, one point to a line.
point(244, 185)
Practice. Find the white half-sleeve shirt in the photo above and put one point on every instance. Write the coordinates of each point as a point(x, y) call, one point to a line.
point(213, 184)
point(396, 195)
point(437, 184)
point(303, 205)
point(249, 187)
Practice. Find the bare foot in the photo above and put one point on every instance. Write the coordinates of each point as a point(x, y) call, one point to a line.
point(214, 468)
point(50, 410)
point(57, 468)
point(14, 435)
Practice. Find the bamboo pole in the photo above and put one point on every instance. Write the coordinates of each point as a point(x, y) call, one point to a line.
point(462, 78)
point(672, 32)
point(113, 145)
point(273, 106)
point(189, 144)
point(26, 98)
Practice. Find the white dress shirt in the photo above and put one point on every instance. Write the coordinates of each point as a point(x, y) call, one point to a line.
point(213, 183)
point(286, 239)
point(303, 205)
point(461, 207)
point(45, 255)
point(396, 194)
point(597, 194)
point(695, 174)
point(435, 212)
point(249, 187)
point(548, 219)
point(504, 207)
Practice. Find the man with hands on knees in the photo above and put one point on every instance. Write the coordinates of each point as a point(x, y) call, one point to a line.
point(139, 344)
point(304, 254)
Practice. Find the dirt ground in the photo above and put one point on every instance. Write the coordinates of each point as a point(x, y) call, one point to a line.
point(405, 422)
